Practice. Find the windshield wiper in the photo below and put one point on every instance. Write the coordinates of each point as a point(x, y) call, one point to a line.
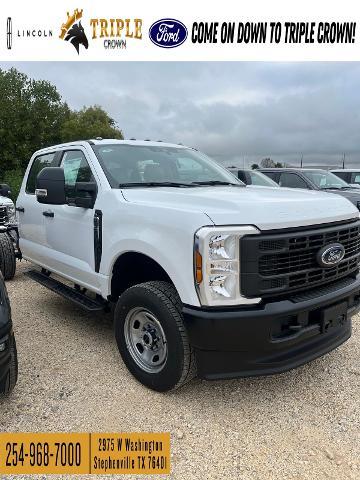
point(154, 184)
point(217, 182)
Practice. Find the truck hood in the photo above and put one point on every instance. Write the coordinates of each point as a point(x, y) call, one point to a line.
point(5, 201)
point(266, 208)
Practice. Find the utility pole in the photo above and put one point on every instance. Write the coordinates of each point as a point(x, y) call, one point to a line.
point(343, 160)
point(301, 161)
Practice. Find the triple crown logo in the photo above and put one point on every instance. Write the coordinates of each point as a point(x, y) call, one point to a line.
point(73, 31)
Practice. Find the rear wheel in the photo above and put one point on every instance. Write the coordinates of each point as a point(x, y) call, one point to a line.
point(7, 256)
point(152, 338)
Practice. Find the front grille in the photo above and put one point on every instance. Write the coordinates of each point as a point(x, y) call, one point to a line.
point(273, 264)
point(4, 219)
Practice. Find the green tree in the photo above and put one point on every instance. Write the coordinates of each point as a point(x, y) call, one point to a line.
point(255, 166)
point(90, 122)
point(278, 165)
point(267, 163)
point(31, 115)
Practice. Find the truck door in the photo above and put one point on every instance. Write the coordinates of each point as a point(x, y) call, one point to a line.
point(70, 229)
point(31, 221)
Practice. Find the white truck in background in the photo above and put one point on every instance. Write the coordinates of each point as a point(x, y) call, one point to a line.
point(209, 277)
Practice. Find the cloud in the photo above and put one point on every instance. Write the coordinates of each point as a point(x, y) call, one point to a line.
point(232, 111)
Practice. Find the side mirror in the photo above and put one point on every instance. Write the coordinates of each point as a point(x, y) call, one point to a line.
point(85, 194)
point(5, 190)
point(50, 186)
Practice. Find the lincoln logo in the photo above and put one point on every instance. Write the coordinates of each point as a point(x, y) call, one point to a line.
point(9, 33)
point(330, 255)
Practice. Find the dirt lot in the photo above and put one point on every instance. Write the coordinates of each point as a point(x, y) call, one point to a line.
point(298, 425)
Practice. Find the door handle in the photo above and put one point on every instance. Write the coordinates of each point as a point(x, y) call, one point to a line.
point(48, 213)
point(20, 209)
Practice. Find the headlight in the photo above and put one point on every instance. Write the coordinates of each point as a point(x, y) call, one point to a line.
point(11, 213)
point(217, 266)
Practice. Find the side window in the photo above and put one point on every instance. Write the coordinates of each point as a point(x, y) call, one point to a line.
point(271, 175)
point(355, 178)
point(342, 175)
point(38, 164)
point(291, 180)
point(76, 169)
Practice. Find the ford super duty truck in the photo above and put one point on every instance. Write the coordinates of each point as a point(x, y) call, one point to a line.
point(208, 277)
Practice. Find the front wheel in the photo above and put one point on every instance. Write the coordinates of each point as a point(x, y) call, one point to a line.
point(7, 256)
point(152, 338)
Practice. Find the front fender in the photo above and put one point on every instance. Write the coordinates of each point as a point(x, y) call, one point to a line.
point(178, 266)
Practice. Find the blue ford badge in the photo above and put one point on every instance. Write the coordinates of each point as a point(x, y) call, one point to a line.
point(168, 33)
point(330, 255)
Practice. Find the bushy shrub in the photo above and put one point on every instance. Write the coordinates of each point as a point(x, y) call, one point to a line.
point(14, 179)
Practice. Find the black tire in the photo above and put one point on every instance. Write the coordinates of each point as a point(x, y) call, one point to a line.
point(162, 300)
point(7, 256)
point(11, 378)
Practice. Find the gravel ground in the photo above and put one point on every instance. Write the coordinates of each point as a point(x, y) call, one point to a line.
point(303, 424)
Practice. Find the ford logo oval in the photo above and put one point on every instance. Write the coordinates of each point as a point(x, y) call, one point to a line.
point(330, 255)
point(168, 33)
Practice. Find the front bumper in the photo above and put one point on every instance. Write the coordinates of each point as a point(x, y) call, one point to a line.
point(272, 337)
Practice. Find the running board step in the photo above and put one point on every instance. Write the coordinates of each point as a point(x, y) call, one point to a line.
point(65, 291)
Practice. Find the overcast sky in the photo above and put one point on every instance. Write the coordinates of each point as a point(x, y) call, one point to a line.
point(235, 112)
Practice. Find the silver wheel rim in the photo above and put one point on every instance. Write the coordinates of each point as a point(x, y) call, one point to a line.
point(145, 340)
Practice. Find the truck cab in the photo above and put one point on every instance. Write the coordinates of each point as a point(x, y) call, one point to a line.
point(208, 277)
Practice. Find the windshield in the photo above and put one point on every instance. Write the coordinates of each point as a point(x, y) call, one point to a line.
point(324, 179)
point(136, 165)
point(259, 179)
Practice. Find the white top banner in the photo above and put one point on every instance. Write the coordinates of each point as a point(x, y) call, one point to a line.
point(271, 30)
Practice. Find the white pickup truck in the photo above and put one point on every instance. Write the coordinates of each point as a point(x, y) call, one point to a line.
point(209, 277)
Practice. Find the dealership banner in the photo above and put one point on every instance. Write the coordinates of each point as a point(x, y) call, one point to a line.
point(84, 453)
point(84, 30)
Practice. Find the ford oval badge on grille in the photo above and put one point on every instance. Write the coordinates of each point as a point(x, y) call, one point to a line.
point(330, 255)
point(168, 33)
